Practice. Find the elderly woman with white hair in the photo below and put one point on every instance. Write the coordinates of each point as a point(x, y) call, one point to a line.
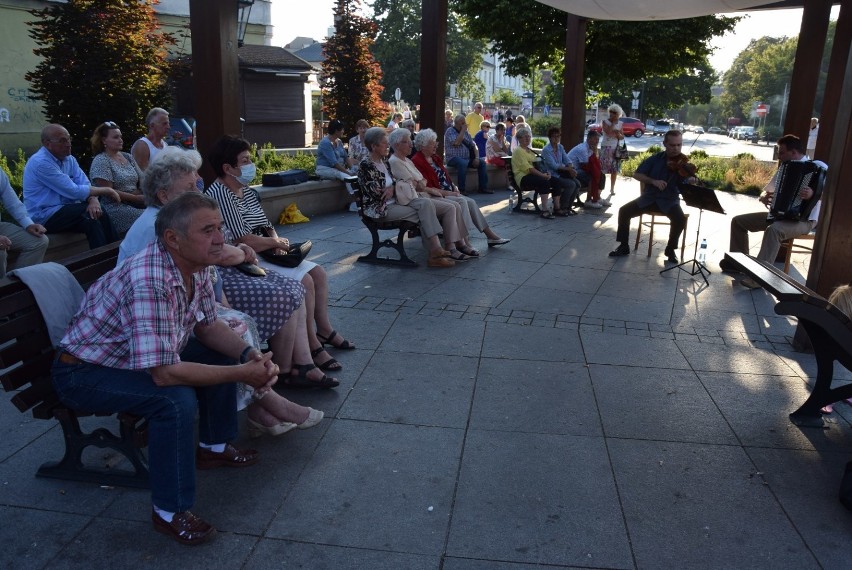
point(613, 134)
point(174, 172)
point(403, 170)
point(383, 200)
point(437, 179)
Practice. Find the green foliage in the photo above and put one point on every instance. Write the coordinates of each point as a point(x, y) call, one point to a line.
point(641, 49)
point(742, 174)
point(539, 125)
point(538, 143)
point(15, 171)
point(744, 156)
point(351, 81)
point(506, 97)
point(397, 49)
point(267, 160)
point(102, 60)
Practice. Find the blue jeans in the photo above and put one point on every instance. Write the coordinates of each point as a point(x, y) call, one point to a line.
point(170, 412)
point(74, 218)
point(461, 165)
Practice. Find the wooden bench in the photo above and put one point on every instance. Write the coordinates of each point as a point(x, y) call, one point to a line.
point(402, 227)
point(523, 198)
point(26, 358)
point(829, 330)
point(522, 194)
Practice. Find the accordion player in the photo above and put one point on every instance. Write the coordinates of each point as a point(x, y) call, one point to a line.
point(791, 178)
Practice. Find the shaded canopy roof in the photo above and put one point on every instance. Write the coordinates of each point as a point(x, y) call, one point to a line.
point(659, 9)
point(270, 56)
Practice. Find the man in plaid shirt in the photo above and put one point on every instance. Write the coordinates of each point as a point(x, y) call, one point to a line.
point(129, 349)
point(461, 153)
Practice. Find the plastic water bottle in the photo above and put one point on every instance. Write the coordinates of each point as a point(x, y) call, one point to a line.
point(702, 251)
point(512, 203)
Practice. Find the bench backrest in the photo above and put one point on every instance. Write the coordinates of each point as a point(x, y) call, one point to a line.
point(26, 353)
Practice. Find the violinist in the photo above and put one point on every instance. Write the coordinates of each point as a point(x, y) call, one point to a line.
point(660, 175)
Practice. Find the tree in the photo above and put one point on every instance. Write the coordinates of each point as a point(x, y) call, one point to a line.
point(661, 94)
point(102, 60)
point(631, 50)
point(397, 49)
point(506, 97)
point(351, 81)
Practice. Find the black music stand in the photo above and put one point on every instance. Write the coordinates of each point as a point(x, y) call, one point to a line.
point(703, 199)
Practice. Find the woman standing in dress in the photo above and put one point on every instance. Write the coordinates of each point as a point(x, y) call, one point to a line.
point(116, 169)
point(613, 134)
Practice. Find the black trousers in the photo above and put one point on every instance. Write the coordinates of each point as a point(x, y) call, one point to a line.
point(632, 209)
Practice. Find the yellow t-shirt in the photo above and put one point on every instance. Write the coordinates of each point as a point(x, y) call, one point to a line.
point(522, 161)
point(473, 120)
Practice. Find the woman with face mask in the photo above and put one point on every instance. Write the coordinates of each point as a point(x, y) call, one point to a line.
point(247, 224)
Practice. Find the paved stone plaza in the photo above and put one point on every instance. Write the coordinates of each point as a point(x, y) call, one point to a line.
point(545, 406)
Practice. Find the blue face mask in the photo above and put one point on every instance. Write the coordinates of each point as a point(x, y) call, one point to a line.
point(247, 174)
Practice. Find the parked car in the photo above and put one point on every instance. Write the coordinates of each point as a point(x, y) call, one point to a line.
point(698, 130)
point(181, 132)
point(662, 127)
point(744, 133)
point(631, 127)
point(715, 131)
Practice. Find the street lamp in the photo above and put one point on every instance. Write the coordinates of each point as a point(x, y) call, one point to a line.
point(244, 8)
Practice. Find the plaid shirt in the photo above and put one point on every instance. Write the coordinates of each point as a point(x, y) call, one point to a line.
point(138, 315)
point(463, 150)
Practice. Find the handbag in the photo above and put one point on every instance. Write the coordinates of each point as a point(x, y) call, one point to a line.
point(404, 192)
point(296, 253)
point(621, 151)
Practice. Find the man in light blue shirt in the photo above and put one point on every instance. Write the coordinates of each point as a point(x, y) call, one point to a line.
point(58, 194)
point(27, 238)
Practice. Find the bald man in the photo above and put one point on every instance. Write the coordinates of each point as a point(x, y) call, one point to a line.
point(59, 196)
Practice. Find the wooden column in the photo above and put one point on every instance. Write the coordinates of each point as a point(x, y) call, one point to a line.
point(803, 83)
point(834, 81)
point(831, 262)
point(573, 93)
point(433, 67)
point(215, 72)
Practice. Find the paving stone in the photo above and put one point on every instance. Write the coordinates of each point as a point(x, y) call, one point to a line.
point(367, 471)
point(556, 506)
point(708, 508)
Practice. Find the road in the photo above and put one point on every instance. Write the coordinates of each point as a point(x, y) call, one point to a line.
point(714, 145)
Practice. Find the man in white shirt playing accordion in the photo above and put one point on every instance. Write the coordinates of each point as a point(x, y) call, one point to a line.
point(790, 148)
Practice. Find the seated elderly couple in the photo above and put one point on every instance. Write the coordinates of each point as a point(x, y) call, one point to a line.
point(281, 308)
point(420, 190)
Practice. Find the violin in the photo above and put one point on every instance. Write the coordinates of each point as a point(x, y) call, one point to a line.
point(681, 166)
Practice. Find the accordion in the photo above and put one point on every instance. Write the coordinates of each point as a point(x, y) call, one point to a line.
point(792, 177)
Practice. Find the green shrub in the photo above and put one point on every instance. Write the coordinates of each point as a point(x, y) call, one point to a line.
point(538, 143)
point(698, 153)
point(15, 171)
point(741, 174)
point(267, 160)
point(540, 125)
point(744, 156)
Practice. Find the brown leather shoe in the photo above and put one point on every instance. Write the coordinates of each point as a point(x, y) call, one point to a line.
point(440, 261)
point(185, 528)
point(231, 457)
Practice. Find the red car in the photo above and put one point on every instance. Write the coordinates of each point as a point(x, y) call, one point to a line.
point(632, 127)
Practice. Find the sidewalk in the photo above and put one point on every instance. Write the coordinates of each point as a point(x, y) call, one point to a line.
point(543, 406)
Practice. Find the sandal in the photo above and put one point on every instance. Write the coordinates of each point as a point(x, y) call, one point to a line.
point(469, 251)
point(563, 213)
point(327, 340)
point(330, 365)
point(547, 215)
point(456, 255)
point(301, 379)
